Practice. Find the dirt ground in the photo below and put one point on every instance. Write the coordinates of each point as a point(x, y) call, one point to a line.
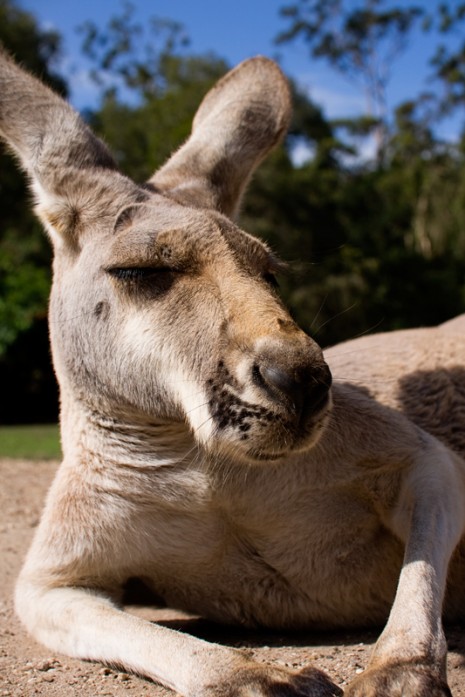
point(28, 669)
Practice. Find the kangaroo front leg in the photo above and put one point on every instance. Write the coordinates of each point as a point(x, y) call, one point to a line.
point(86, 624)
point(409, 659)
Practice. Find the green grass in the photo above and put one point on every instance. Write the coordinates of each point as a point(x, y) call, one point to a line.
point(40, 442)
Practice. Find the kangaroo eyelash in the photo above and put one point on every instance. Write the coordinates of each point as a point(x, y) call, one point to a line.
point(136, 273)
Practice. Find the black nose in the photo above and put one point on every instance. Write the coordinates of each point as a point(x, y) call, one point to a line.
point(309, 386)
point(278, 381)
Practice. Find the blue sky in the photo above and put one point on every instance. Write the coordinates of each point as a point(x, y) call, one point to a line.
point(235, 31)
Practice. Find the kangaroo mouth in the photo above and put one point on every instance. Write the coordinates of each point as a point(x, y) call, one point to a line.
point(265, 431)
point(300, 439)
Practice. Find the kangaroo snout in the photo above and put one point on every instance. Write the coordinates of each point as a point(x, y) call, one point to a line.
point(303, 388)
point(272, 396)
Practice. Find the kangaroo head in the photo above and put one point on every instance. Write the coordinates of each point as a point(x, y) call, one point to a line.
point(161, 307)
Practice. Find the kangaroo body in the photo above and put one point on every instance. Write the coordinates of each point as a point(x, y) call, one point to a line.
point(210, 448)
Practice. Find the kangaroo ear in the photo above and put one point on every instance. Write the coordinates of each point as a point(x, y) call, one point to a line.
point(71, 172)
point(239, 121)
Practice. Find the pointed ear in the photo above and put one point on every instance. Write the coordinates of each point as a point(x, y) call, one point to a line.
point(70, 169)
point(239, 121)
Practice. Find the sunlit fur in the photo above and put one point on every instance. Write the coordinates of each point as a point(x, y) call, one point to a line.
point(205, 451)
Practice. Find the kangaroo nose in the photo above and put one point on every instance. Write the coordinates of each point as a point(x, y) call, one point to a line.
point(310, 386)
point(278, 380)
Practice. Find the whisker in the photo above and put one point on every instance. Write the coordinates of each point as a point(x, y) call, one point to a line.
point(319, 310)
point(210, 418)
point(347, 309)
point(370, 329)
point(199, 406)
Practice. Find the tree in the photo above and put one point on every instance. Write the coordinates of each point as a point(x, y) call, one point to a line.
point(152, 87)
point(448, 61)
point(22, 245)
point(143, 134)
point(24, 252)
point(359, 39)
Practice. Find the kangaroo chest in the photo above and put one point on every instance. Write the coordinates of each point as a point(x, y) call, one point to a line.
point(279, 551)
point(299, 557)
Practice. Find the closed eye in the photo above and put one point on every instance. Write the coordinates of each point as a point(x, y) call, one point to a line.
point(145, 282)
point(134, 273)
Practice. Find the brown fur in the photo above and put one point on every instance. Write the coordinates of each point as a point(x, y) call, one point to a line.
point(205, 451)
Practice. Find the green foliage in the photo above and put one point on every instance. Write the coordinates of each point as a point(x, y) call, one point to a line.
point(152, 87)
point(24, 289)
point(142, 136)
point(448, 60)
point(24, 252)
point(26, 375)
point(37, 49)
point(351, 35)
point(360, 39)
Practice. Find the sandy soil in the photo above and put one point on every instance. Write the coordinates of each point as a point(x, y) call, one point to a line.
point(28, 669)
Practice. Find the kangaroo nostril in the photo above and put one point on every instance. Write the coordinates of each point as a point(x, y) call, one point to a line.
point(279, 379)
point(278, 382)
point(310, 389)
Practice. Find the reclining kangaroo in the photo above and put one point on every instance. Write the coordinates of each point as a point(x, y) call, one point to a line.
point(205, 450)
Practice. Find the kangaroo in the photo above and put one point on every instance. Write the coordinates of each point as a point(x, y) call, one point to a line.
point(207, 451)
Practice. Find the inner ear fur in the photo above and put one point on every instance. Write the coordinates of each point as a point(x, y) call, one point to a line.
point(238, 122)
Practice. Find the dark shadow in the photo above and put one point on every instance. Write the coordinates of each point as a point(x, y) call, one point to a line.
point(256, 638)
point(435, 401)
point(138, 595)
point(240, 637)
point(27, 378)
